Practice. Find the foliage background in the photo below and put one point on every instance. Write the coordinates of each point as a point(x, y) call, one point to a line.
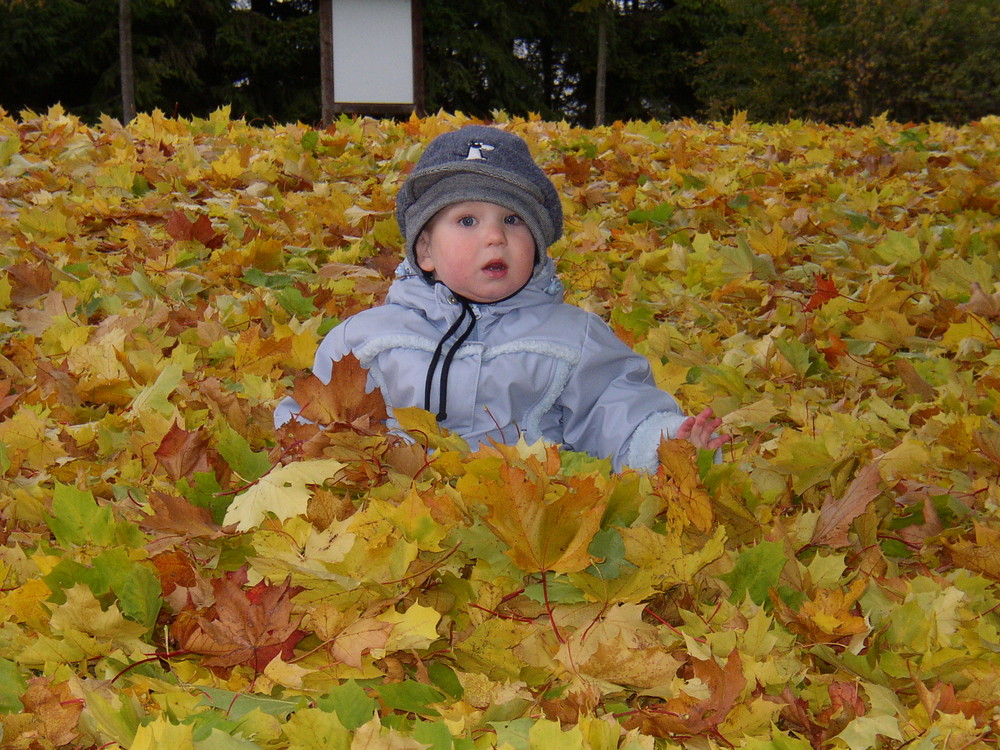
point(827, 60)
point(173, 573)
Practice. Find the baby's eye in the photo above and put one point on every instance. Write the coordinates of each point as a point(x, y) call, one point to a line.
point(467, 221)
point(513, 219)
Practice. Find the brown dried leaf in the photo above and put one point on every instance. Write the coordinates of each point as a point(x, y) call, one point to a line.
point(56, 710)
point(685, 716)
point(175, 515)
point(342, 401)
point(182, 453)
point(249, 626)
point(836, 516)
point(982, 555)
point(981, 303)
point(358, 638)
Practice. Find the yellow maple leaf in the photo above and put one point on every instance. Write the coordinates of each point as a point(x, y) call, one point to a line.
point(664, 555)
point(414, 628)
point(685, 499)
point(828, 615)
point(29, 433)
point(82, 620)
point(546, 524)
point(284, 491)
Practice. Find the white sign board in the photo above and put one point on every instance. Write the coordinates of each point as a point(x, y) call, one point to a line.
point(373, 51)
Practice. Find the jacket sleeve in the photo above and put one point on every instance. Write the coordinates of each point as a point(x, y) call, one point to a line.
point(611, 405)
point(332, 348)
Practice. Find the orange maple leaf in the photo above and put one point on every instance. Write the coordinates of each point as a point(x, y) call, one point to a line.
point(245, 626)
point(826, 290)
point(684, 715)
point(56, 711)
point(200, 230)
point(546, 524)
point(827, 617)
point(182, 453)
point(175, 515)
point(342, 401)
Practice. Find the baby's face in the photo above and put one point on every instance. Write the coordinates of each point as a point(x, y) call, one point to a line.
point(482, 251)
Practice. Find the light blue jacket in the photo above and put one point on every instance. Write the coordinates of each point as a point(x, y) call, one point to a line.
point(533, 364)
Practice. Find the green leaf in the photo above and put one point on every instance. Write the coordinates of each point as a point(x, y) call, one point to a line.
point(898, 247)
point(756, 572)
point(295, 303)
point(237, 705)
point(549, 735)
point(156, 396)
point(739, 202)
point(77, 519)
point(203, 490)
point(863, 732)
point(798, 356)
point(444, 677)
point(434, 734)
point(12, 687)
point(136, 586)
point(309, 141)
point(741, 261)
point(234, 448)
point(316, 729)
point(659, 215)
point(514, 733)
point(351, 703)
point(410, 696)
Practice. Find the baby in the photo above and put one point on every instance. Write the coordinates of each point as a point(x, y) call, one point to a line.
point(474, 326)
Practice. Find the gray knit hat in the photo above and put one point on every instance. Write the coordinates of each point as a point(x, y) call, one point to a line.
point(478, 163)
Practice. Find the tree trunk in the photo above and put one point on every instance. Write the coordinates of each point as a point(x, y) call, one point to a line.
point(602, 67)
point(326, 60)
point(125, 59)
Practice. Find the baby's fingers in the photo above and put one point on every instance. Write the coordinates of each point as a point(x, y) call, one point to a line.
point(684, 431)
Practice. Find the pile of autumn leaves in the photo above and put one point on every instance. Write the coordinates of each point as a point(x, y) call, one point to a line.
point(176, 574)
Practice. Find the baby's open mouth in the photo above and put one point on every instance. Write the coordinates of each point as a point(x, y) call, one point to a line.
point(495, 266)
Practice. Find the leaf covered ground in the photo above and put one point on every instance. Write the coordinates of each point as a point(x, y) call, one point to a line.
point(173, 573)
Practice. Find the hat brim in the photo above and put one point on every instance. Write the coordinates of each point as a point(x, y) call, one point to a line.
point(440, 188)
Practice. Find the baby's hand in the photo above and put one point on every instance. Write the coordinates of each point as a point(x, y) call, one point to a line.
point(699, 431)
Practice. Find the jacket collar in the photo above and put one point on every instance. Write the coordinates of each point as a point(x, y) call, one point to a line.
point(411, 289)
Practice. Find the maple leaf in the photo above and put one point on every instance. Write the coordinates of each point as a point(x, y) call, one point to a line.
point(686, 716)
point(982, 555)
point(836, 516)
point(55, 709)
point(245, 626)
point(283, 491)
point(981, 303)
point(826, 290)
point(988, 441)
point(31, 281)
point(174, 569)
point(343, 401)
point(200, 230)
point(358, 638)
point(828, 616)
point(7, 399)
point(679, 485)
point(175, 515)
point(182, 453)
point(546, 525)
